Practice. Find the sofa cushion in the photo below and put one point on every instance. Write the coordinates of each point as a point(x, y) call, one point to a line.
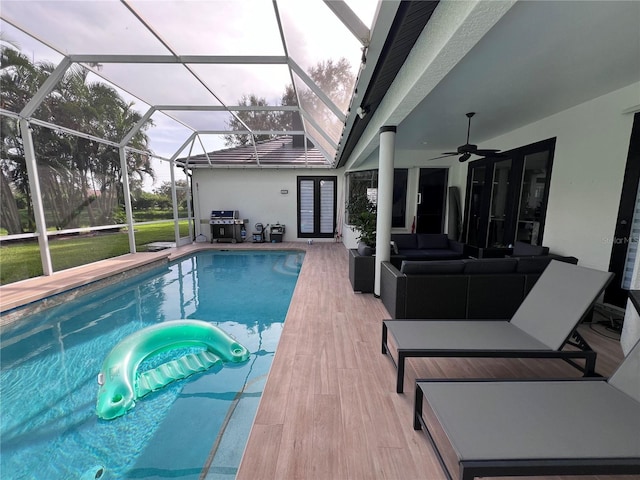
point(405, 241)
point(440, 254)
point(435, 267)
point(413, 254)
point(491, 265)
point(521, 249)
point(432, 240)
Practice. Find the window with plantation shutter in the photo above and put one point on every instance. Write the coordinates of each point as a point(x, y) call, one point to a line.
point(327, 194)
point(305, 207)
point(316, 207)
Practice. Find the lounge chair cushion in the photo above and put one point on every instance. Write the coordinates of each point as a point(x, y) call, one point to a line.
point(536, 420)
point(566, 293)
point(461, 335)
point(627, 376)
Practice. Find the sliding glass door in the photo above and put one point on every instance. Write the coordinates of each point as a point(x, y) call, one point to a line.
point(432, 191)
point(507, 197)
point(476, 228)
point(532, 197)
point(501, 204)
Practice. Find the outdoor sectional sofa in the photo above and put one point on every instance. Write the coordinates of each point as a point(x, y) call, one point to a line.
point(405, 246)
point(424, 246)
point(486, 288)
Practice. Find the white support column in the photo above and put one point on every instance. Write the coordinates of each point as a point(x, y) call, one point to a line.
point(127, 198)
point(195, 199)
point(385, 200)
point(190, 210)
point(174, 201)
point(36, 197)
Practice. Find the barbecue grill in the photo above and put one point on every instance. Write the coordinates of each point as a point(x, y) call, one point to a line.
point(226, 226)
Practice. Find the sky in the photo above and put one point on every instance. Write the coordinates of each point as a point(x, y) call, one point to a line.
point(191, 27)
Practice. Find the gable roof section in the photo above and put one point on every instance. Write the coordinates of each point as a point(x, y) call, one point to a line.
point(279, 151)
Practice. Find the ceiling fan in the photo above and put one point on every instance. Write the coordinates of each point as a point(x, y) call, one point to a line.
point(465, 151)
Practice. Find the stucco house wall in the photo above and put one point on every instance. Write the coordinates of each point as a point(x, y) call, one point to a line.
point(592, 143)
point(256, 194)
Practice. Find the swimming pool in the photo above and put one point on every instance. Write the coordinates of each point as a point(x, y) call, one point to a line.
point(194, 428)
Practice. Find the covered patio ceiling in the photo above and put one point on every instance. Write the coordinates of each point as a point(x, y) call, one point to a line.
point(207, 72)
point(513, 63)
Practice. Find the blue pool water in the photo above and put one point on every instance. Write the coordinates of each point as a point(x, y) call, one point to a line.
point(191, 429)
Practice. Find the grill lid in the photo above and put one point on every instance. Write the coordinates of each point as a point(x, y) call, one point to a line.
point(224, 214)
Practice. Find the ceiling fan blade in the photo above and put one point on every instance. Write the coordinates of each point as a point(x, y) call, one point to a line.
point(445, 155)
point(467, 150)
point(491, 153)
point(486, 151)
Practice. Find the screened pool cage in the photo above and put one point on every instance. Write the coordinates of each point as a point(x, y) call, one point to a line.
point(108, 107)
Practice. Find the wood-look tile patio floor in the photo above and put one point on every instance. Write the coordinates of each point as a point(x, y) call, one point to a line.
point(329, 410)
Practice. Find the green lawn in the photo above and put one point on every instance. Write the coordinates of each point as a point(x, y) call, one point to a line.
point(20, 260)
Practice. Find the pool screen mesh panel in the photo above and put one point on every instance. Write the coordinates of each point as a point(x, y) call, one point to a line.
point(199, 62)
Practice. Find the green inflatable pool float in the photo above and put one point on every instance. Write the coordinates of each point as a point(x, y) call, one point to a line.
point(120, 383)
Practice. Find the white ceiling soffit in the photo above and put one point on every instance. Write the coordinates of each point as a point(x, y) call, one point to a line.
point(536, 59)
point(193, 61)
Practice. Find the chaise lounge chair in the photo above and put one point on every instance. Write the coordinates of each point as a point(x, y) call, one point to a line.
point(489, 428)
point(544, 323)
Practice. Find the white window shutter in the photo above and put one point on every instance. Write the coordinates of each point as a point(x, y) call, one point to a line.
point(306, 206)
point(327, 188)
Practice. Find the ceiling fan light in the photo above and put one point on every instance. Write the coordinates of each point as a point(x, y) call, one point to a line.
point(465, 151)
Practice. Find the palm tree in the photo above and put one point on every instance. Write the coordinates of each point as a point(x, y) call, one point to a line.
point(81, 180)
point(18, 80)
point(254, 119)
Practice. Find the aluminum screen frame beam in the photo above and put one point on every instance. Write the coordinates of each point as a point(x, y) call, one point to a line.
point(350, 20)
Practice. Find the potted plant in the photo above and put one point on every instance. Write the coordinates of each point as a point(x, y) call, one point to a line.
point(362, 217)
